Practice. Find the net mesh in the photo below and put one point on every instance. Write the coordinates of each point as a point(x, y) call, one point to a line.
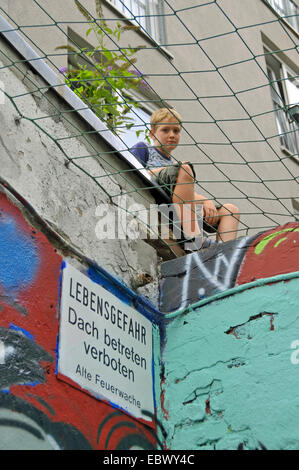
point(235, 97)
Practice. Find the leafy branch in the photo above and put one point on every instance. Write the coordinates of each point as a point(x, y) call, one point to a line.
point(102, 77)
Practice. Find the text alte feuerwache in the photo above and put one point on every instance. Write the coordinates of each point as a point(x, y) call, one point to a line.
point(98, 380)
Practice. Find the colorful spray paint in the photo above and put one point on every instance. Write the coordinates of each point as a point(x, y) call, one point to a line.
point(37, 410)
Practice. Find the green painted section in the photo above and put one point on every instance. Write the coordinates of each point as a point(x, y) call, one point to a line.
point(228, 378)
point(262, 245)
point(156, 367)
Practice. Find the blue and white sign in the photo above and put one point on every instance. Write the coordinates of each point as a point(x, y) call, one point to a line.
point(105, 346)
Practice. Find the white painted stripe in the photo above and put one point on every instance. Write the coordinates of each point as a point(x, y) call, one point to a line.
point(2, 353)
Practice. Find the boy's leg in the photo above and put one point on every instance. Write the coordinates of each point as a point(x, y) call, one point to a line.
point(229, 221)
point(184, 201)
point(225, 222)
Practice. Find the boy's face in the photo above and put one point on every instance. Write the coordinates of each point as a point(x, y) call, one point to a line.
point(166, 136)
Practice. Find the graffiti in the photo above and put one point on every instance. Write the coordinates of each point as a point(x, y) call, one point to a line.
point(201, 274)
point(37, 410)
point(205, 273)
point(21, 269)
point(273, 252)
point(117, 433)
point(264, 242)
point(20, 359)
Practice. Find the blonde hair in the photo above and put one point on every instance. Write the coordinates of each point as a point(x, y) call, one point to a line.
point(164, 116)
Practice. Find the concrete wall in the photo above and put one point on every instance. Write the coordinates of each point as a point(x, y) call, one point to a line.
point(64, 172)
point(230, 368)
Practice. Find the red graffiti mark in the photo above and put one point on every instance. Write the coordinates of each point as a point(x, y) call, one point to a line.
point(208, 408)
point(272, 253)
point(162, 400)
point(272, 323)
point(34, 308)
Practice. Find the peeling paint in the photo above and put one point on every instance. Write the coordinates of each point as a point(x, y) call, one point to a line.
point(226, 360)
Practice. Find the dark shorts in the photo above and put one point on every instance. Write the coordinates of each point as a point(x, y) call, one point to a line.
point(167, 179)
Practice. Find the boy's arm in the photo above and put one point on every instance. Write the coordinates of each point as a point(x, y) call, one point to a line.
point(156, 170)
point(209, 210)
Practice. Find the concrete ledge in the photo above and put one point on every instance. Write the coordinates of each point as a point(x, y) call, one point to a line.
point(205, 273)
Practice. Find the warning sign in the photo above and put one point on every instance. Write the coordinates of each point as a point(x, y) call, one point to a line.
point(105, 346)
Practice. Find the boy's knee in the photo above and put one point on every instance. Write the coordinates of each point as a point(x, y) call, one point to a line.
point(185, 172)
point(232, 210)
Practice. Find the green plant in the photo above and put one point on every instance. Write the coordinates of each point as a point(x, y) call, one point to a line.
point(102, 77)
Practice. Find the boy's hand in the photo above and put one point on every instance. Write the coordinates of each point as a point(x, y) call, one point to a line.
point(154, 171)
point(210, 212)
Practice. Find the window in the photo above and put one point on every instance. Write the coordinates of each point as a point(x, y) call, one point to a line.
point(141, 119)
point(288, 10)
point(285, 93)
point(145, 13)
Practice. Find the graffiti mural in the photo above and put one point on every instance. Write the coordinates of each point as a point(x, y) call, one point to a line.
point(37, 410)
point(208, 272)
point(272, 253)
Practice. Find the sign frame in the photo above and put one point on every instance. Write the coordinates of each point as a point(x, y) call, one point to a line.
point(105, 346)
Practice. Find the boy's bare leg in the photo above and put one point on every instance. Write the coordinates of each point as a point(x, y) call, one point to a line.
point(184, 202)
point(228, 216)
point(208, 209)
point(229, 221)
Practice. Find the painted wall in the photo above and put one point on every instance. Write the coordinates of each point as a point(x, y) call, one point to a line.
point(230, 375)
point(203, 274)
point(38, 411)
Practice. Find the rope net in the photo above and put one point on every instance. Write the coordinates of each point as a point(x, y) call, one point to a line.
point(234, 86)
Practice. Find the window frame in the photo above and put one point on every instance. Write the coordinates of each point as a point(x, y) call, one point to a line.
point(285, 12)
point(153, 20)
point(288, 130)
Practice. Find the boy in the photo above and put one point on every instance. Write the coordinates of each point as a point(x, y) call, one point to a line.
point(177, 178)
